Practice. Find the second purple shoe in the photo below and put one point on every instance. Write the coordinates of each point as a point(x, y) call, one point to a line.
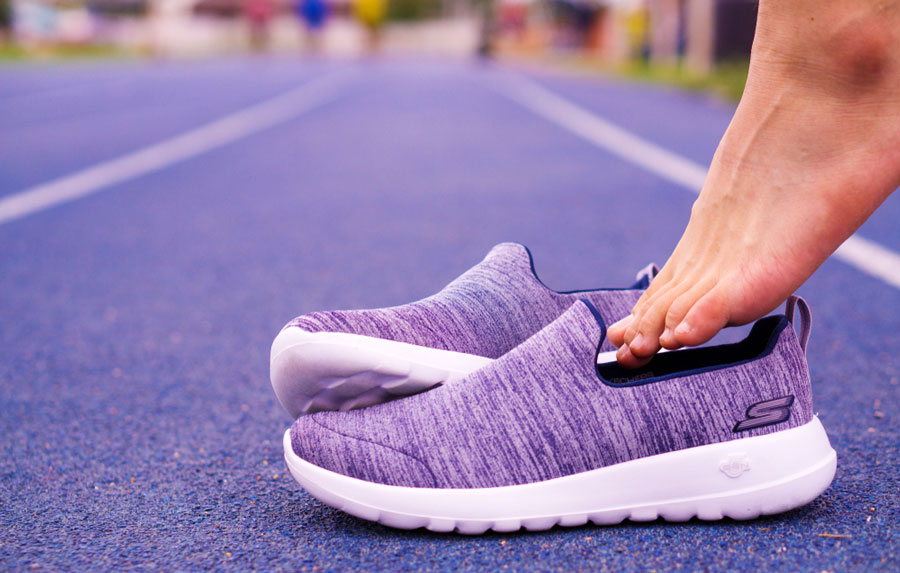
point(546, 436)
point(340, 360)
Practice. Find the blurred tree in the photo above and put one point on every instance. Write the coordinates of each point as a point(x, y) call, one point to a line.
point(5, 19)
point(413, 9)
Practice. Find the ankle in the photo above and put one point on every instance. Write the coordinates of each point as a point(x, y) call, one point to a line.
point(847, 49)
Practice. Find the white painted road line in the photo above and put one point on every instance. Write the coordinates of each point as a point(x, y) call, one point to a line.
point(602, 133)
point(221, 132)
point(863, 254)
point(871, 258)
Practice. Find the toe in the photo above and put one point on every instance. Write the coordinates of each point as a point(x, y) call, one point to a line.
point(676, 313)
point(639, 330)
point(705, 318)
point(629, 360)
point(616, 332)
point(625, 330)
point(645, 342)
point(667, 339)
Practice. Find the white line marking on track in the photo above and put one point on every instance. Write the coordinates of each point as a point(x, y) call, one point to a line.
point(604, 134)
point(863, 254)
point(228, 129)
point(872, 258)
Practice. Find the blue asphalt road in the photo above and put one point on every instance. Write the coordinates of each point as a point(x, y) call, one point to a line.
point(137, 425)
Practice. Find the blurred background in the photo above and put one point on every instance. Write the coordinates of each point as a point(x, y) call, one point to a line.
point(676, 40)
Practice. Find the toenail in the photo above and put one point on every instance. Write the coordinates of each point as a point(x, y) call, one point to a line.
point(684, 328)
point(667, 334)
point(637, 340)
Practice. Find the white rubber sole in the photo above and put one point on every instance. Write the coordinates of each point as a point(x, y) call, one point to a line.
point(316, 371)
point(740, 479)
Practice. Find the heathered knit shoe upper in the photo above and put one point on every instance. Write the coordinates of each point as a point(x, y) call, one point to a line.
point(488, 311)
point(546, 410)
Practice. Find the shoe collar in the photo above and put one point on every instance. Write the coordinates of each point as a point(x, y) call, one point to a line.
point(642, 280)
point(764, 338)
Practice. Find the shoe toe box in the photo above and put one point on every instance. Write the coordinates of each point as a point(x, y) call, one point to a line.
point(319, 440)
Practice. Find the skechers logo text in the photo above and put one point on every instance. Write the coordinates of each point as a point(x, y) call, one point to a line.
point(766, 413)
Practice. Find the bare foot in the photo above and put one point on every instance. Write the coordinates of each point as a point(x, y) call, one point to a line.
point(813, 149)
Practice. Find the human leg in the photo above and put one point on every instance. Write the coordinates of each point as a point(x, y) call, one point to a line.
point(812, 151)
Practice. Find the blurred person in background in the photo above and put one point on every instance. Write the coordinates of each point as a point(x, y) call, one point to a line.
point(258, 14)
point(313, 14)
point(487, 28)
point(371, 14)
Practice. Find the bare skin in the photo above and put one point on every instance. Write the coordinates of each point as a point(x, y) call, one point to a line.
point(813, 149)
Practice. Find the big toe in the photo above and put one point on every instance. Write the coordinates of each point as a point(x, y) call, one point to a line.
point(703, 320)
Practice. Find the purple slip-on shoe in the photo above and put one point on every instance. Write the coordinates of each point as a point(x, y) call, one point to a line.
point(545, 435)
point(341, 360)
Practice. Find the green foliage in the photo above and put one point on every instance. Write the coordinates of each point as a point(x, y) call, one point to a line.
point(726, 80)
point(5, 15)
point(408, 10)
point(10, 52)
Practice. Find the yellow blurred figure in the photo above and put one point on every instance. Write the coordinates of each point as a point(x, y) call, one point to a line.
point(370, 12)
point(636, 30)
